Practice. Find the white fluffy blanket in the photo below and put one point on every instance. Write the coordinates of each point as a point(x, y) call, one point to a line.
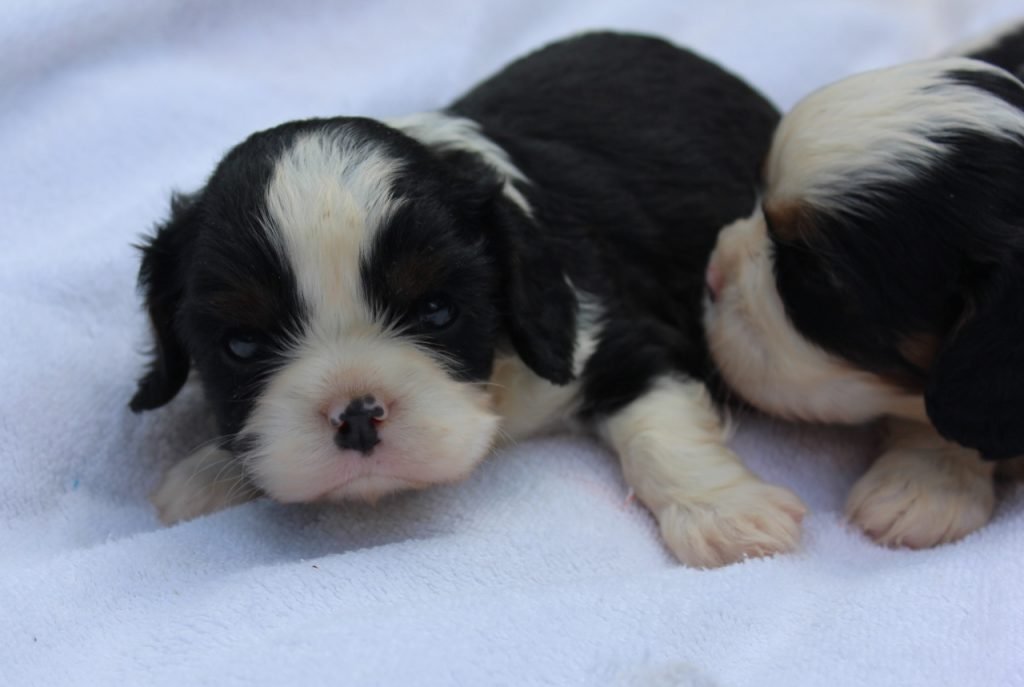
point(535, 571)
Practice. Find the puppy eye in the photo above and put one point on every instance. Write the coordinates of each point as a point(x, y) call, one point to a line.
point(437, 311)
point(244, 346)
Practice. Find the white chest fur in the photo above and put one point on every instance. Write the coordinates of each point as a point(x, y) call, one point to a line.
point(527, 403)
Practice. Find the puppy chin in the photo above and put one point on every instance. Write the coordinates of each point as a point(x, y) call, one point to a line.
point(371, 488)
point(330, 475)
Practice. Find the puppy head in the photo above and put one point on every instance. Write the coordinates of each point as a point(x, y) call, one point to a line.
point(342, 289)
point(886, 263)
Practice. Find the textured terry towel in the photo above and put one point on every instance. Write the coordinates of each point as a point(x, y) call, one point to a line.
point(537, 570)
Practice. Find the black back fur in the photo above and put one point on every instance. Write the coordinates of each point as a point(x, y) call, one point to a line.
point(638, 152)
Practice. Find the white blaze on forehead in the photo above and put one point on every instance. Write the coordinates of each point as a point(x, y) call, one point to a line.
point(327, 199)
point(880, 127)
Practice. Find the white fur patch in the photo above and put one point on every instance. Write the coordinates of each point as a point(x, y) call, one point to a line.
point(711, 509)
point(529, 404)
point(445, 132)
point(877, 128)
point(326, 201)
point(766, 360)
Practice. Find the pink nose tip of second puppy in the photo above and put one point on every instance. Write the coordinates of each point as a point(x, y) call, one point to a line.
point(714, 280)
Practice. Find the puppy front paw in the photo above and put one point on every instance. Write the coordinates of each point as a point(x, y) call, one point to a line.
point(920, 499)
point(209, 480)
point(747, 519)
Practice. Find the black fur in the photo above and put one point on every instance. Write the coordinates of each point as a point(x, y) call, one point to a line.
point(636, 152)
point(974, 395)
point(939, 257)
point(1007, 51)
point(161, 277)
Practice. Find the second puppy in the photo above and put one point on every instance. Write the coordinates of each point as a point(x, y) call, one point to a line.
point(883, 276)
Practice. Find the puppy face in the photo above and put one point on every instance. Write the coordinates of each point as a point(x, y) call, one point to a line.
point(883, 272)
point(336, 285)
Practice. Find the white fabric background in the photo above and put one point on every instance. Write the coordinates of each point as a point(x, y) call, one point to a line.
point(536, 570)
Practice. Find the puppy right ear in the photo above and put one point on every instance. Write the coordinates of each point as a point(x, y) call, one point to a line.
point(162, 282)
point(539, 304)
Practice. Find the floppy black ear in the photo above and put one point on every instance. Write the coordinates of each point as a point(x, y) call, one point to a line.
point(162, 282)
point(539, 306)
point(975, 393)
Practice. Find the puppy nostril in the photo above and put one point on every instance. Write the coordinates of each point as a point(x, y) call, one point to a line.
point(356, 423)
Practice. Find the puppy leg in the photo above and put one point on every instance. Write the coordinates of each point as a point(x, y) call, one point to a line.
point(710, 508)
point(923, 490)
point(209, 480)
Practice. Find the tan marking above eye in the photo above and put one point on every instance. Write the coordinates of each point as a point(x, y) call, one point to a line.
point(919, 349)
point(249, 304)
point(790, 219)
point(414, 276)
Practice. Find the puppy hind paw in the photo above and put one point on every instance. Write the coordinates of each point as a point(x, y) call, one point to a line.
point(746, 520)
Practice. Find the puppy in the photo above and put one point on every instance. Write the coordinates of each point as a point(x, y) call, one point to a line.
point(882, 275)
point(371, 305)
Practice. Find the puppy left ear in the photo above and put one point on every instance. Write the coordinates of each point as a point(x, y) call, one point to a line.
point(539, 305)
point(975, 392)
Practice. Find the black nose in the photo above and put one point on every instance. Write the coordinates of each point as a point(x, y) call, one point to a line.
point(357, 425)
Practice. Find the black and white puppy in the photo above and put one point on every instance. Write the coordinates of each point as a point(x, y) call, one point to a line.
point(883, 276)
point(371, 305)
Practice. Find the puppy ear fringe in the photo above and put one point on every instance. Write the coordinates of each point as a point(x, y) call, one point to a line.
point(539, 304)
point(975, 392)
point(161, 282)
